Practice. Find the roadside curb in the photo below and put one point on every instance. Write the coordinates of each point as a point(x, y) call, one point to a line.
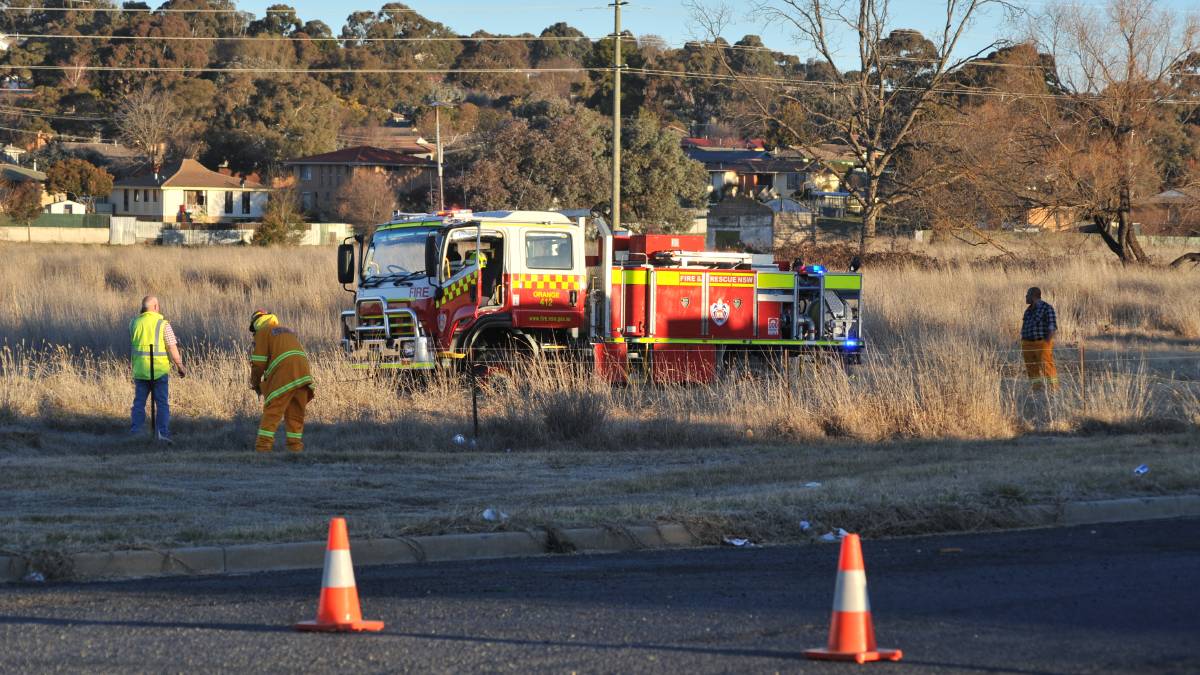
point(250, 558)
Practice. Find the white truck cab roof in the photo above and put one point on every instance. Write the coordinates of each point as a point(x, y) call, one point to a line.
point(523, 217)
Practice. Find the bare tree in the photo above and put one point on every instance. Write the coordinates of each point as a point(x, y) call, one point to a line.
point(1115, 65)
point(366, 200)
point(878, 109)
point(148, 120)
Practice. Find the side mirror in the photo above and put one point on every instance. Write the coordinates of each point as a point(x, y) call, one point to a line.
point(345, 263)
point(855, 264)
point(431, 255)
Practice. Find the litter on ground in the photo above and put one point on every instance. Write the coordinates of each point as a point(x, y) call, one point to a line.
point(740, 543)
point(494, 515)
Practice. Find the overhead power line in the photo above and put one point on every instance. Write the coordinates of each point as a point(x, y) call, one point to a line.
point(6, 110)
point(652, 72)
point(85, 139)
point(975, 63)
point(165, 10)
point(844, 85)
point(315, 71)
point(219, 10)
point(285, 38)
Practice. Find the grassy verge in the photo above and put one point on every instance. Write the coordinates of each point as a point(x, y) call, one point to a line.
point(125, 493)
point(936, 431)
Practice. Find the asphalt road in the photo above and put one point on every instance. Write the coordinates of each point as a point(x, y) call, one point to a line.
point(1114, 598)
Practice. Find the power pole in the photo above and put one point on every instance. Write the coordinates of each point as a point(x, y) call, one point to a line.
point(437, 116)
point(616, 158)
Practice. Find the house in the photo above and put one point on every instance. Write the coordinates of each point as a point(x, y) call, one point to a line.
point(402, 139)
point(319, 177)
point(745, 224)
point(11, 174)
point(185, 191)
point(119, 160)
point(745, 168)
point(65, 206)
point(1050, 218)
point(12, 153)
point(1174, 212)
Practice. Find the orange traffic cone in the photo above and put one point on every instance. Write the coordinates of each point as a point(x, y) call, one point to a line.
point(851, 632)
point(338, 609)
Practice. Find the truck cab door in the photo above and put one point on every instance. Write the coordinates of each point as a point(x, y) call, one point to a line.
point(457, 295)
point(548, 279)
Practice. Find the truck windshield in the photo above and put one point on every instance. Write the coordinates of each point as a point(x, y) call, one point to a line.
point(396, 253)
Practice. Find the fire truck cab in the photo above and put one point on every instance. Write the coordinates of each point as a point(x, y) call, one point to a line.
point(431, 288)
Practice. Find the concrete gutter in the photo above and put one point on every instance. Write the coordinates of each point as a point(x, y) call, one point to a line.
point(251, 558)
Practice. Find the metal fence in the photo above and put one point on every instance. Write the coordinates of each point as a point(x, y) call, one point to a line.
point(97, 220)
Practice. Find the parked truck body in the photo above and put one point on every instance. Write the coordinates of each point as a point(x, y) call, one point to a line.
point(436, 290)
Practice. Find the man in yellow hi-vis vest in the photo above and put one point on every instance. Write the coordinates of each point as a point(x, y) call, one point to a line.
point(279, 373)
point(153, 349)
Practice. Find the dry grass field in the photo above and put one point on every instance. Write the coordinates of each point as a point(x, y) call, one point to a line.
point(936, 430)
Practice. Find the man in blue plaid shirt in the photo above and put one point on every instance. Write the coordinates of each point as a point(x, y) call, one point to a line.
point(1038, 327)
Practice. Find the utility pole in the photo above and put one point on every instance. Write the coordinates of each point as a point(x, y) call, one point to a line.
point(437, 116)
point(616, 158)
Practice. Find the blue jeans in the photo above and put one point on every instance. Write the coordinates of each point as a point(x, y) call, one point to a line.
point(142, 389)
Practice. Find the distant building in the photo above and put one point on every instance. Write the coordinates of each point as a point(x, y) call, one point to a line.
point(65, 206)
point(319, 177)
point(186, 191)
point(402, 139)
point(12, 153)
point(744, 224)
point(745, 168)
point(1174, 212)
point(119, 160)
point(11, 174)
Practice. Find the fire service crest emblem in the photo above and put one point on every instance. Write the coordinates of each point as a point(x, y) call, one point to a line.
point(719, 311)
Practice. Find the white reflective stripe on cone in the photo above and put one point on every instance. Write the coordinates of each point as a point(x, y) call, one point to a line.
point(339, 571)
point(850, 594)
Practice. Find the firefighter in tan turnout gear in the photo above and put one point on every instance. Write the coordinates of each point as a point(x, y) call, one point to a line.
point(279, 373)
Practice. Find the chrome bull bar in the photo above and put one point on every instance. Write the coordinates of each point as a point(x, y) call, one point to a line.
point(397, 342)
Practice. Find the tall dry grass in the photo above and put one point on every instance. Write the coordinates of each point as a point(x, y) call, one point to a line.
point(943, 365)
point(83, 297)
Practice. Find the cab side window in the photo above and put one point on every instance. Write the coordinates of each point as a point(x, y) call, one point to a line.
point(548, 251)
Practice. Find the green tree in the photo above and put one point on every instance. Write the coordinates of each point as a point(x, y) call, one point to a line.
point(633, 85)
point(22, 201)
point(557, 159)
point(491, 55)
point(573, 45)
point(659, 184)
point(80, 180)
point(278, 20)
point(277, 119)
point(283, 223)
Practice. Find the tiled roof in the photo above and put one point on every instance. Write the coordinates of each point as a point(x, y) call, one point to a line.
point(186, 173)
point(20, 174)
point(363, 155)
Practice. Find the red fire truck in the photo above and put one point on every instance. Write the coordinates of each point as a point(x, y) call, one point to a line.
point(438, 289)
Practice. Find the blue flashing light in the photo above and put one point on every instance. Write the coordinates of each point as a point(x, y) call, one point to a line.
point(851, 344)
point(814, 269)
